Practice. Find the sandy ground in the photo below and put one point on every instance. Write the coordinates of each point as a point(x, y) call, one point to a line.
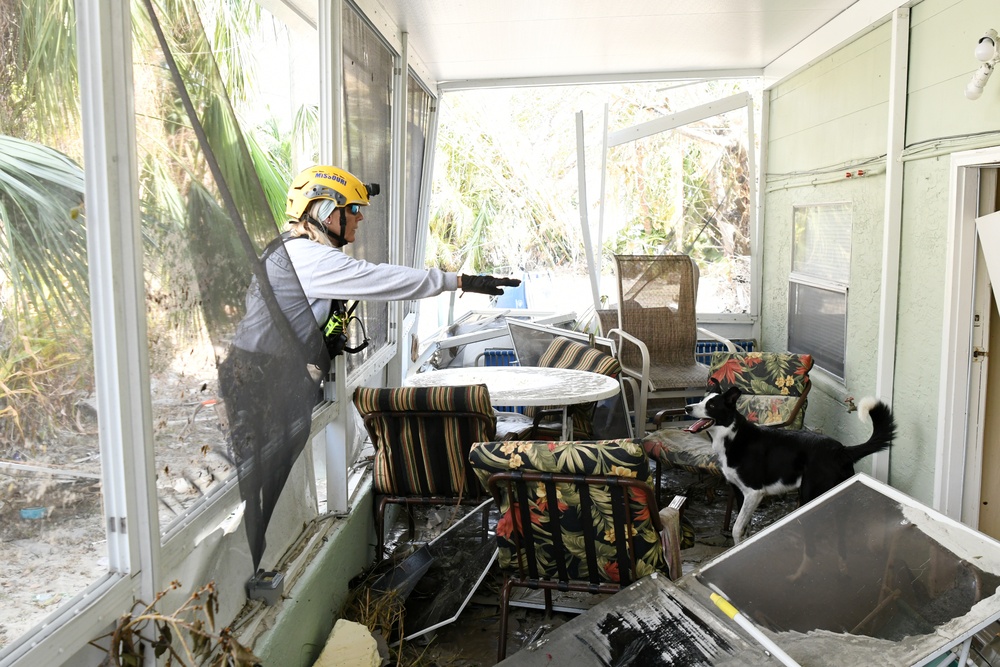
point(50, 559)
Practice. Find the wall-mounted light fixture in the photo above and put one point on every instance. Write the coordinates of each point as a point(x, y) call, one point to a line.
point(986, 53)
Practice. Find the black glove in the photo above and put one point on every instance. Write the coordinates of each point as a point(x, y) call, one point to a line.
point(487, 284)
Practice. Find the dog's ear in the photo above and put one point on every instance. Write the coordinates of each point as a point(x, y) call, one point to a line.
point(714, 385)
point(731, 395)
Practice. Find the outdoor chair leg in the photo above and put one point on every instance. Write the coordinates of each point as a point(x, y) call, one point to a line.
point(730, 502)
point(548, 603)
point(504, 609)
point(380, 528)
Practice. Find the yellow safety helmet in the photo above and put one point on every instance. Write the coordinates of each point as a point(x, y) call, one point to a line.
point(326, 182)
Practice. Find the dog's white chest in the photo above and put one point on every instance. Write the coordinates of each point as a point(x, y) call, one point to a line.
point(719, 437)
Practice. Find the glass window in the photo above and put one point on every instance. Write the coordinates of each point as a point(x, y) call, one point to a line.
point(52, 531)
point(368, 65)
point(817, 294)
point(889, 582)
point(418, 124)
point(201, 239)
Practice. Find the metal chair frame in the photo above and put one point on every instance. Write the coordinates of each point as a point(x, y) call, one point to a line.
point(470, 482)
point(515, 484)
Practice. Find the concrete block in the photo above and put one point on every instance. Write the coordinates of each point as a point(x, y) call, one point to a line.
point(350, 645)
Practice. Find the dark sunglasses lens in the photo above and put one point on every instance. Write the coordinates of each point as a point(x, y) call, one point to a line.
point(354, 208)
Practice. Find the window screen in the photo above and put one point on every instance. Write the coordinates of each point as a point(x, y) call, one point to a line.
point(368, 65)
point(418, 122)
point(817, 294)
point(822, 244)
point(236, 355)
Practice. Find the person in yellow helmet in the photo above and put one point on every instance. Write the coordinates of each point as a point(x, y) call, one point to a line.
point(323, 211)
point(325, 205)
point(295, 323)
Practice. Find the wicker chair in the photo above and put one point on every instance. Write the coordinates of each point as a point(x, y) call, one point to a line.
point(658, 331)
point(575, 516)
point(422, 437)
point(773, 387)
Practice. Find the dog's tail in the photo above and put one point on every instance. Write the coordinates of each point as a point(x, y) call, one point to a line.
point(883, 428)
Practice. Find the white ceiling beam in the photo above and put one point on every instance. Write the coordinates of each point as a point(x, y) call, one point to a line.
point(675, 120)
point(860, 18)
point(573, 80)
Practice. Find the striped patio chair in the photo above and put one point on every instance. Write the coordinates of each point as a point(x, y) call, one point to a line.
point(422, 437)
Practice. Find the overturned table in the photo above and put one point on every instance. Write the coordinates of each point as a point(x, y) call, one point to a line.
point(890, 582)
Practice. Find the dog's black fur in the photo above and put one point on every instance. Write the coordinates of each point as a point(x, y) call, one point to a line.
point(761, 461)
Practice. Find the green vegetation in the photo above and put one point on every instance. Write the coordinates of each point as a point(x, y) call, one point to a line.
point(44, 292)
point(506, 181)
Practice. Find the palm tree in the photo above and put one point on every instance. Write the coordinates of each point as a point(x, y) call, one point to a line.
point(43, 247)
point(43, 260)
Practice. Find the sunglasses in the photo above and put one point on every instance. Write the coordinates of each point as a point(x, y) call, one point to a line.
point(353, 208)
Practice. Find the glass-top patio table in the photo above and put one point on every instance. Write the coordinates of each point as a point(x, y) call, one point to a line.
point(514, 386)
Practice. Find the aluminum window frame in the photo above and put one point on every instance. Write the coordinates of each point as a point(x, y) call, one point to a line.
point(840, 287)
point(114, 248)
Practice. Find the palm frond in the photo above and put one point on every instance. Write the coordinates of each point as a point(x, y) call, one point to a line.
point(46, 73)
point(43, 243)
point(271, 160)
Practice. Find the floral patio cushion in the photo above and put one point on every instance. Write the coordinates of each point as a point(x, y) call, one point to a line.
point(771, 383)
point(677, 448)
point(422, 439)
point(624, 458)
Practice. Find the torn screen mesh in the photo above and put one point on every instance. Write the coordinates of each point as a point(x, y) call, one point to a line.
point(207, 221)
point(368, 66)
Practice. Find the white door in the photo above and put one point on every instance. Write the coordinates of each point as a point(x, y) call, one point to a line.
point(967, 307)
point(982, 502)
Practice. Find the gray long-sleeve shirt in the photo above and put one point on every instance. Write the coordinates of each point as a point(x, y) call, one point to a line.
point(324, 274)
point(328, 273)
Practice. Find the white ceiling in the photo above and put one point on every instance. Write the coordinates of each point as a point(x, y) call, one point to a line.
point(478, 42)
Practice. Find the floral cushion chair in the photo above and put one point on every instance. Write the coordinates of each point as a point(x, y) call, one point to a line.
point(574, 516)
point(773, 389)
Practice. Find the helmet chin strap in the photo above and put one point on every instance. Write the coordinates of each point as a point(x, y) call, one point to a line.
point(339, 239)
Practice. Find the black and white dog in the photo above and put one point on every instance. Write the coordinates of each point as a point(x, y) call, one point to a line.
point(762, 461)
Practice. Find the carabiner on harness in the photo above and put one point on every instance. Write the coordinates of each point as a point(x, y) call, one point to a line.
point(335, 332)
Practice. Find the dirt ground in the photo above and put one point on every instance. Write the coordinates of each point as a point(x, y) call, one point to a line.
point(58, 547)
